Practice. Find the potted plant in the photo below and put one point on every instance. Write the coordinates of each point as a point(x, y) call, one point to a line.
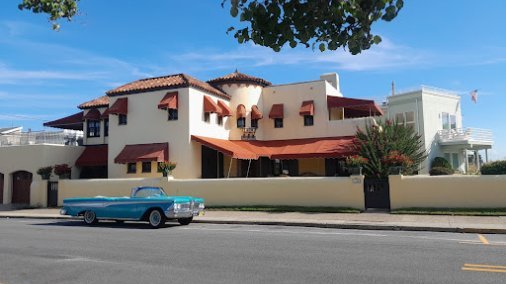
point(166, 168)
point(45, 172)
point(355, 164)
point(63, 171)
point(397, 162)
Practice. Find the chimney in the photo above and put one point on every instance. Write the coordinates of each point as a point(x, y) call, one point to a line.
point(332, 78)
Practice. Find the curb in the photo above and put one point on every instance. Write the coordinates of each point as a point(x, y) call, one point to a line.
point(313, 225)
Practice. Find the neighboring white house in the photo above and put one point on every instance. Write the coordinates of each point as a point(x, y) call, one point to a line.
point(437, 116)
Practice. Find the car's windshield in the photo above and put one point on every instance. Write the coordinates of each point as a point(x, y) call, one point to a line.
point(149, 191)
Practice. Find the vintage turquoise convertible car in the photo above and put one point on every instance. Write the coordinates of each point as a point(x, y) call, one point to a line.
point(150, 204)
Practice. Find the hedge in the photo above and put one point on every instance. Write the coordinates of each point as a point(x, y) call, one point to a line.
point(494, 168)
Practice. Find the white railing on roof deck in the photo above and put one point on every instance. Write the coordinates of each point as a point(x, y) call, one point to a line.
point(42, 137)
point(466, 135)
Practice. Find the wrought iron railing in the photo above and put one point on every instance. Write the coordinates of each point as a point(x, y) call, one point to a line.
point(467, 135)
point(248, 133)
point(42, 137)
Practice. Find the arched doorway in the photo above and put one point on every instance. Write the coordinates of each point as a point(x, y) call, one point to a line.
point(1, 188)
point(21, 182)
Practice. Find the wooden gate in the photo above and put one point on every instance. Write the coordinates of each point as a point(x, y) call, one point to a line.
point(377, 193)
point(52, 193)
point(21, 182)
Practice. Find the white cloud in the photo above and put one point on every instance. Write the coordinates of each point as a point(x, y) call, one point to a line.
point(385, 56)
point(13, 76)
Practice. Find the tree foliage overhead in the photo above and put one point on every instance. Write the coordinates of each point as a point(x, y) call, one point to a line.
point(328, 24)
point(56, 9)
point(378, 143)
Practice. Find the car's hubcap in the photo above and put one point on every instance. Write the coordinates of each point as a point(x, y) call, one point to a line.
point(89, 216)
point(155, 218)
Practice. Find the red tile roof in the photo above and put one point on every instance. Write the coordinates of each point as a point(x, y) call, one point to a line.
point(165, 83)
point(238, 77)
point(74, 122)
point(143, 153)
point(93, 156)
point(330, 147)
point(103, 101)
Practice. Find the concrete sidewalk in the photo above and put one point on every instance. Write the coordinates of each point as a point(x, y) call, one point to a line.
point(362, 221)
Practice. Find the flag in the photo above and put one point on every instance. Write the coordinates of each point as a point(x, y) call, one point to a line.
point(474, 96)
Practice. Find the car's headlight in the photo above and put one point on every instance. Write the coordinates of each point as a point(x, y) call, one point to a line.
point(177, 206)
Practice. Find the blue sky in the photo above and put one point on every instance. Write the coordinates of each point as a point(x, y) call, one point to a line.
point(44, 75)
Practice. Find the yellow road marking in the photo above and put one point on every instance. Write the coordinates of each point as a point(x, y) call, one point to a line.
point(480, 243)
point(484, 268)
point(483, 239)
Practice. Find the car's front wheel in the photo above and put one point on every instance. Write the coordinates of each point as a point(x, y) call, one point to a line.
point(185, 221)
point(156, 218)
point(90, 217)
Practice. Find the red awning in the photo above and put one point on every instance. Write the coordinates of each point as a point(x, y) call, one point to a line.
point(93, 156)
point(307, 108)
point(105, 115)
point(276, 111)
point(119, 107)
point(93, 114)
point(73, 122)
point(366, 107)
point(256, 113)
point(169, 101)
point(225, 110)
point(226, 147)
point(331, 147)
point(143, 153)
point(241, 111)
point(210, 106)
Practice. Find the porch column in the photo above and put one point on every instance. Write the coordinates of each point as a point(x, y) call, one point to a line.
point(486, 155)
point(466, 160)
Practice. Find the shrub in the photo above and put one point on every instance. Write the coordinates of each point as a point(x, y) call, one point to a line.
point(166, 167)
point(494, 168)
point(45, 172)
point(63, 170)
point(440, 171)
point(440, 162)
point(356, 161)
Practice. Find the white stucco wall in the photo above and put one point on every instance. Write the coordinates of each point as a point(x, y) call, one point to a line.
point(32, 157)
point(147, 124)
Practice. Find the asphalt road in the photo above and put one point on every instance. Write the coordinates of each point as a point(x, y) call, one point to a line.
point(60, 251)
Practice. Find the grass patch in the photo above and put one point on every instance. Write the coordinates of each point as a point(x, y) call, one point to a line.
point(452, 211)
point(279, 209)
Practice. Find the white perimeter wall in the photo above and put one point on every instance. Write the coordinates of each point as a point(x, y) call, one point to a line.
point(32, 157)
point(317, 191)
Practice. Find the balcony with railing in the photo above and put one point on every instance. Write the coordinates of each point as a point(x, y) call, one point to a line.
point(466, 136)
point(42, 137)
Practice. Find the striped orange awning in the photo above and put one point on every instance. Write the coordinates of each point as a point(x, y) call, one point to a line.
point(92, 114)
point(169, 101)
point(120, 106)
point(307, 108)
point(360, 106)
point(210, 106)
point(225, 110)
point(330, 147)
point(93, 156)
point(256, 113)
point(276, 111)
point(241, 111)
point(158, 152)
